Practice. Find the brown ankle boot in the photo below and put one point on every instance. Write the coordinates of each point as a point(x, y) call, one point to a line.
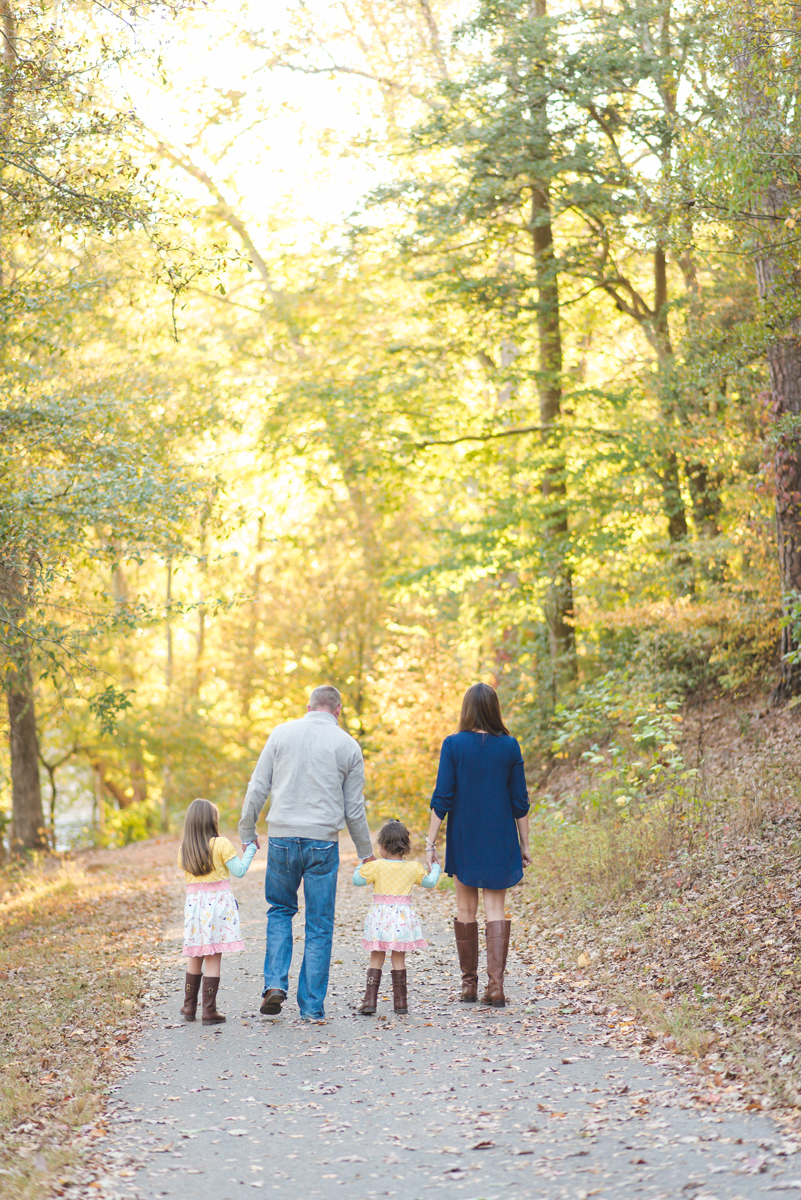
point(191, 988)
point(210, 1014)
point(467, 944)
point(399, 991)
point(497, 949)
point(370, 1002)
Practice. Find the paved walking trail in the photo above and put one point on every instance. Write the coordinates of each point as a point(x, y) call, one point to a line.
point(530, 1101)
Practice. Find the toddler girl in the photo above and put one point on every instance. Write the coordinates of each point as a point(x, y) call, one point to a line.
point(211, 916)
point(392, 924)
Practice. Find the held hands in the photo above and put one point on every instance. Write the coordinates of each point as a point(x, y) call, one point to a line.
point(431, 855)
point(370, 858)
point(255, 842)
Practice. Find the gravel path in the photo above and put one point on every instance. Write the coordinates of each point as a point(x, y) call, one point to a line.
point(530, 1101)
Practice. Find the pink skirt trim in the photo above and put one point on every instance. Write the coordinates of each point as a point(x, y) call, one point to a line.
point(214, 885)
point(219, 948)
point(403, 947)
point(392, 899)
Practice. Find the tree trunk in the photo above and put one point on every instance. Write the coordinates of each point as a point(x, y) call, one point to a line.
point(248, 673)
point(28, 821)
point(706, 499)
point(784, 362)
point(168, 628)
point(26, 789)
point(136, 763)
point(100, 804)
point(672, 499)
point(23, 740)
point(559, 605)
point(559, 608)
point(778, 281)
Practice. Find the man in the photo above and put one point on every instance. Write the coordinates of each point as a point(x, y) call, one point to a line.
point(313, 773)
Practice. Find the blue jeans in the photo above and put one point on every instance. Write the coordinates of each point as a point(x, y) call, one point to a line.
point(288, 861)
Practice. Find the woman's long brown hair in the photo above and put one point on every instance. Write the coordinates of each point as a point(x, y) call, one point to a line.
point(202, 823)
point(481, 709)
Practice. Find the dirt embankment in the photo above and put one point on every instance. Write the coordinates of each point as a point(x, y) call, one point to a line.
point(702, 952)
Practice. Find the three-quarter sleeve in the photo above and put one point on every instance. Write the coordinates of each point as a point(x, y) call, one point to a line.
point(442, 800)
point(518, 791)
point(238, 867)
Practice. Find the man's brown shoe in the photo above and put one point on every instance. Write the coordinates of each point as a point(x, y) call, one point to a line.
point(272, 1001)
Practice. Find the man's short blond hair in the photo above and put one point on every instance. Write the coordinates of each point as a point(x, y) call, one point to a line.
point(326, 698)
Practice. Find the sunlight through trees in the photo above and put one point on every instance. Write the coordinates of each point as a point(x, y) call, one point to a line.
point(393, 344)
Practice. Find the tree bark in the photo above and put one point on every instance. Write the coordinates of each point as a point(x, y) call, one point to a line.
point(559, 608)
point(29, 832)
point(673, 500)
point(136, 764)
point(560, 614)
point(706, 499)
point(784, 364)
point(778, 280)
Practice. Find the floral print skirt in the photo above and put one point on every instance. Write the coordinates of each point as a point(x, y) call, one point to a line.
point(211, 920)
point(392, 924)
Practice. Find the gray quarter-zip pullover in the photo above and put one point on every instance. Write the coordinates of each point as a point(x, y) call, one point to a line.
point(313, 773)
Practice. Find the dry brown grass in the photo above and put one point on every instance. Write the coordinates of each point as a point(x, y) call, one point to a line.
point(76, 943)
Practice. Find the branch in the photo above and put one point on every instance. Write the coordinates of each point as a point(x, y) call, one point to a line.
point(522, 429)
point(639, 312)
point(53, 766)
point(232, 218)
point(436, 42)
point(383, 81)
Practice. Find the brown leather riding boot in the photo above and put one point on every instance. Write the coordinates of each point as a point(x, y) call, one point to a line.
point(497, 949)
point(467, 944)
point(191, 988)
point(399, 991)
point(370, 1002)
point(210, 1014)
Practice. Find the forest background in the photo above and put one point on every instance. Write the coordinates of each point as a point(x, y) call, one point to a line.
point(396, 344)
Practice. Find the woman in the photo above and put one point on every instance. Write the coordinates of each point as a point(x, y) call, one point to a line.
point(481, 788)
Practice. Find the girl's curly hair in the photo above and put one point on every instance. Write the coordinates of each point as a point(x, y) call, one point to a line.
point(394, 838)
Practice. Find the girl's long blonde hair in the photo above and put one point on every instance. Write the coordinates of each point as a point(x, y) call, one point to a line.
point(201, 824)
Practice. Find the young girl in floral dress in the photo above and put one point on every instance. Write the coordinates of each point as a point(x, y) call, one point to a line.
point(391, 923)
point(211, 916)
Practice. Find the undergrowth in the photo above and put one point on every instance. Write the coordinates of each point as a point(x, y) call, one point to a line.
point(682, 904)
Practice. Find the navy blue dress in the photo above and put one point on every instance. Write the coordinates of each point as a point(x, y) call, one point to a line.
point(481, 788)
